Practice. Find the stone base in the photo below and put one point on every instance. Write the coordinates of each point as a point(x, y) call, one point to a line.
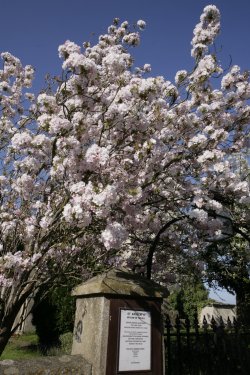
point(64, 365)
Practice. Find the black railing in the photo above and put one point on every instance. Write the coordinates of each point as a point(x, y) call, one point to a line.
point(213, 348)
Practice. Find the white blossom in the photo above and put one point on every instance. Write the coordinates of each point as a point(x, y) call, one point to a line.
point(199, 215)
point(96, 156)
point(114, 235)
point(141, 24)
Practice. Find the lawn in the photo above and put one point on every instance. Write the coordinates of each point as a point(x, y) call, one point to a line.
point(26, 347)
point(21, 347)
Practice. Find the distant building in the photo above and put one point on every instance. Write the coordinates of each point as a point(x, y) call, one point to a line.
point(217, 310)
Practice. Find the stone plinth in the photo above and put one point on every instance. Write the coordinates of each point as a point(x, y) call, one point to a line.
point(98, 310)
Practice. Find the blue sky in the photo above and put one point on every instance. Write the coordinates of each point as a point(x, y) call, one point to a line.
point(32, 30)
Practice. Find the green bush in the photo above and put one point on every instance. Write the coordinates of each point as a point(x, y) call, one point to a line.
point(188, 299)
point(64, 305)
point(53, 315)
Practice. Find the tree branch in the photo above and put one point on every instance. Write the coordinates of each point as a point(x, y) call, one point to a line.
point(155, 242)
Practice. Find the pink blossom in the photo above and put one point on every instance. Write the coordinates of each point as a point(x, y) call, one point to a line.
point(96, 156)
point(114, 235)
point(199, 215)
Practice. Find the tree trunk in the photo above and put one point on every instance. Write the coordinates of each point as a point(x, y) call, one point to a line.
point(6, 328)
point(5, 334)
point(243, 305)
point(8, 318)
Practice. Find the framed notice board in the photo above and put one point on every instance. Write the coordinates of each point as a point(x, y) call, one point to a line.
point(135, 337)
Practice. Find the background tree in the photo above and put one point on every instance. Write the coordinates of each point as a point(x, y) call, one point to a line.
point(188, 299)
point(44, 318)
point(228, 266)
point(53, 315)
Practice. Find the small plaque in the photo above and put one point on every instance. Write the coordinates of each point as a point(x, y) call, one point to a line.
point(135, 340)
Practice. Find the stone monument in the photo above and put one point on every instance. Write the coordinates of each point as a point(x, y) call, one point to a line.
point(118, 325)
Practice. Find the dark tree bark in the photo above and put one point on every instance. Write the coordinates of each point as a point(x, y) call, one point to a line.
point(8, 316)
point(6, 326)
point(243, 304)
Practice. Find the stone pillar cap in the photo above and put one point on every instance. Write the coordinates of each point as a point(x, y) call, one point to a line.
point(121, 282)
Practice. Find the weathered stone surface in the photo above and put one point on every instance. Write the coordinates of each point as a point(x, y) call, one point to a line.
point(65, 365)
point(120, 282)
point(90, 337)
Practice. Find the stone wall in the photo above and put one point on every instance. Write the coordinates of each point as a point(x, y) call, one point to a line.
point(24, 318)
point(64, 365)
point(218, 310)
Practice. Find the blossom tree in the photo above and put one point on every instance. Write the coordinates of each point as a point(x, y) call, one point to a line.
point(114, 166)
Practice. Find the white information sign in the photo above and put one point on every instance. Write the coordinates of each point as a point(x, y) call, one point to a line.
point(135, 340)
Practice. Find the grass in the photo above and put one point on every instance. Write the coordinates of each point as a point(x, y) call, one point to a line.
point(21, 347)
point(26, 347)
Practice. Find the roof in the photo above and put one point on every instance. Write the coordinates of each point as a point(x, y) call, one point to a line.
point(221, 305)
